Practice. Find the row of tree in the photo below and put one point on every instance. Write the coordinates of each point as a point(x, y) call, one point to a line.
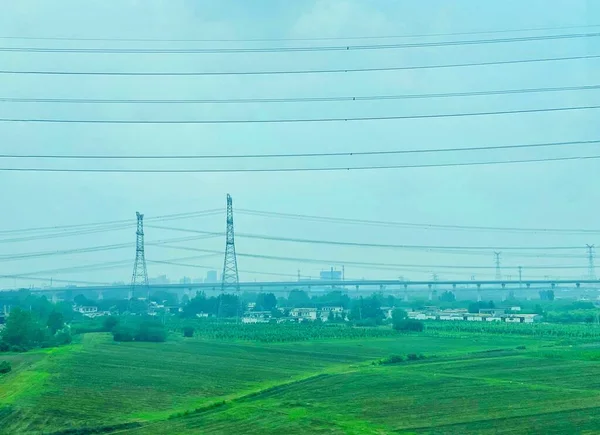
point(26, 330)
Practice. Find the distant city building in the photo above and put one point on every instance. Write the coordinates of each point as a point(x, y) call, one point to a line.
point(162, 279)
point(331, 275)
point(211, 277)
point(185, 280)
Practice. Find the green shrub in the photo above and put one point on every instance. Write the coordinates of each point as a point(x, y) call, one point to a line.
point(110, 323)
point(4, 347)
point(394, 359)
point(151, 331)
point(412, 357)
point(5, 367)
point(123, 333)
point(409, 325)
point(63, 337)
point(188, 331)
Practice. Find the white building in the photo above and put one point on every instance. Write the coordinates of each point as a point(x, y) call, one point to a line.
point(256, 317)
point(302, 314)
point(326, 311)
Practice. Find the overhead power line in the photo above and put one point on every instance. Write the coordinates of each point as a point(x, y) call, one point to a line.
point(213, 50)
point(299, 99)
point(299, 169)
point(427, 226)
point(88, 268)
point(383, 266)
point(296, 155)
point(126, 222)
point(302, 71)
point(172, 263)
point(374, 245)
point(297, 120)
point(327, 38)
point(29, 255)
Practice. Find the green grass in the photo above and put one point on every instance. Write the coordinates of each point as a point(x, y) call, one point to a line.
point(424, 397)
point(200, 385)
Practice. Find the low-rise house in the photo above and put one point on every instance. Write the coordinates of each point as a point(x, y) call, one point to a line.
point(256, 317)
point(493, 311)
point(523, 318)
point(325, 312)
point(302, 314)
point(85, 309)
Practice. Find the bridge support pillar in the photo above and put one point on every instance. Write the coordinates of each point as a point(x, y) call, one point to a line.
point(54, 298)
point(478, 292)
point(130, 294)
point(100, 295)
point(405, 292)
point(430, 292)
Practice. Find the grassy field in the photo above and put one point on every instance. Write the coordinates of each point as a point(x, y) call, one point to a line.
point(472, 382)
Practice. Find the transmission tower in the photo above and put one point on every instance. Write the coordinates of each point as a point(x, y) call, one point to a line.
point(230, 278)
point(591, 269)
point(498, 271)
point(139, 279)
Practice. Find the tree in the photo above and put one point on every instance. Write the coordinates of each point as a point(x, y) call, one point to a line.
point(123, 333)
point(399, 314)
point(151, 331)
point(109, 323)
point(188, 331)
point(228, 305)
point(66, 309)
point(83, 301)
point(23, 330)
point(369, 308)
point(547, 295)
point(299, 298)
point(5, 367)
point(270, 302)
point(200, 304)
point(55, 322)
point(448, 296)
point(63, 337)
point(331, 317)
point(409, 325)
point(276, 314)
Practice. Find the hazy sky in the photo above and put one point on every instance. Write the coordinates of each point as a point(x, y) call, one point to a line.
point(541, 195)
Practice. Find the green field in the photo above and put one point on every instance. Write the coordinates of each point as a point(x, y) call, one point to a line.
point(478, 383)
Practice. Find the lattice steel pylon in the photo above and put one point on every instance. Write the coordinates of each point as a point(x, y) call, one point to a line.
point(139, 279)
point(498, 270)
point(230, 278)
point(591, 269)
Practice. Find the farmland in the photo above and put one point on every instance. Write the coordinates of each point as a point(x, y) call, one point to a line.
point(240, 383)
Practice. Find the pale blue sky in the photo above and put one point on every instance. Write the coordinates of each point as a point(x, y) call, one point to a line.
point(560, 194)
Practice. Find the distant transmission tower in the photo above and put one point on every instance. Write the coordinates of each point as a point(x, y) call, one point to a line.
point(591, 269)
point(139, 279)
point(230, 278)
point(498, 271)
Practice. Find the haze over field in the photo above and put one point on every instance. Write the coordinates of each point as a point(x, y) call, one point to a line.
point(541, 195)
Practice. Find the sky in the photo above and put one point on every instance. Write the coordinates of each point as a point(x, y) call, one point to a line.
point(561, 194)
